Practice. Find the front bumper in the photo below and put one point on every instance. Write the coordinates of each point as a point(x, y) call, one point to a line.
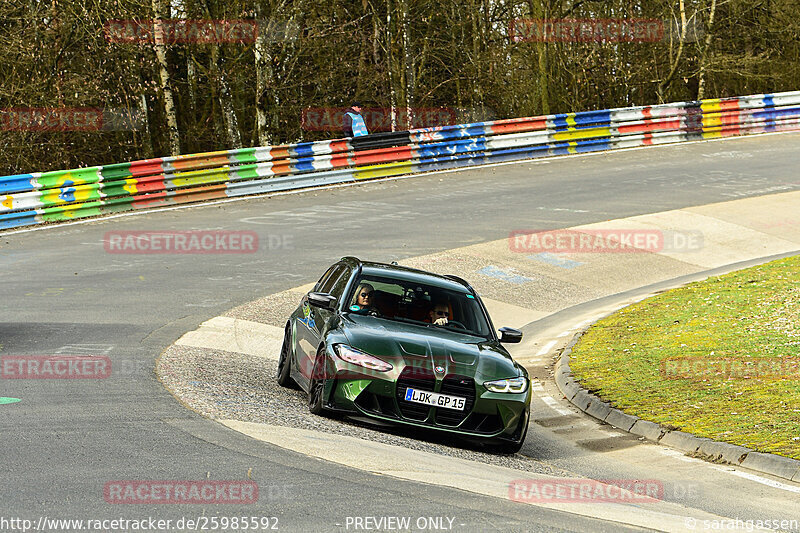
point(487, 415)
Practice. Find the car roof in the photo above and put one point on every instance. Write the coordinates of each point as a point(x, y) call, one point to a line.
point(371, 268)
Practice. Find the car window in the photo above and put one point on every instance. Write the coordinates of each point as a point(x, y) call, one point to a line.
point(341, 282)
point(324, 278)
point(381, 287)
point(409, 301)
point(328, 284)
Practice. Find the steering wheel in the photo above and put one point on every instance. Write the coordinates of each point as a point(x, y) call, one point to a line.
point(456, 323)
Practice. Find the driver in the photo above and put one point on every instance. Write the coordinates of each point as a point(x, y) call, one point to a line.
point(364, 299)
point(440, 314)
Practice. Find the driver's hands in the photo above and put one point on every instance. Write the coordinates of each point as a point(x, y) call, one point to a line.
point(440, 321)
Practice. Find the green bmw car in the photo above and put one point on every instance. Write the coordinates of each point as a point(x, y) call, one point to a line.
point(407, 347)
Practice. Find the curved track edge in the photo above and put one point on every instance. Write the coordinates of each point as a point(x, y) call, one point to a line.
point(701, 447)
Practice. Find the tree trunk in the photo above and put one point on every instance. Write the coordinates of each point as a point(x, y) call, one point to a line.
point(231, 124)
point(226, 102)
point(390, 62)
point(362, 56)
point(539, 10)
point(477, 35)
point(166, 87)
point(376, 39)
point(191, 73)
point(147, 140)
point(264, 76)
point(664, 84)
point(408, 69)
point(701, 85)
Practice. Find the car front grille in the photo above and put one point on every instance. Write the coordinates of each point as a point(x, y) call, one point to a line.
point(462, 387)
point(415, 378)
point(425, 380)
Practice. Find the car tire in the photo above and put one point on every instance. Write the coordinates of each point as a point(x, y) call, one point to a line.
point(284, 373)
point(316, 387)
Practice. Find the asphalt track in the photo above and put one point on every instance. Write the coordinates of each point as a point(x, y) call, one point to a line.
point(63, 293)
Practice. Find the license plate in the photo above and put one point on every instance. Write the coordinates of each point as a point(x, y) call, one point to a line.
point(435, 399)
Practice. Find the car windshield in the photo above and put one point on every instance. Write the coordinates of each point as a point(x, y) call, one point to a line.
point(409, 301)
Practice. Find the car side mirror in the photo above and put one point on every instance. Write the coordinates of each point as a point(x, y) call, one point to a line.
point(510, 335)
point(323, 300)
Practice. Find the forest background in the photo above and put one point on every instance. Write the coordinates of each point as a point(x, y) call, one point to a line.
point(410, 62)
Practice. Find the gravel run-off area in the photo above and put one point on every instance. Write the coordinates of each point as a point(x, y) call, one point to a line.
point(228, 385)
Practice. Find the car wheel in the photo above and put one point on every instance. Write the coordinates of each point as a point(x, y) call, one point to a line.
point(317, 386)
point(284, 374)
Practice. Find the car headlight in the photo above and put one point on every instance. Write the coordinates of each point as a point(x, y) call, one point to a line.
point(357, 357)
point(519, 384)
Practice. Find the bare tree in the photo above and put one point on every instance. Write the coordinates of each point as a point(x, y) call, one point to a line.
point(160, 48)
point(706, 51)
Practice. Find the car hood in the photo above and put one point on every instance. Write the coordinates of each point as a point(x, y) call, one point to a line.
point(429, 347)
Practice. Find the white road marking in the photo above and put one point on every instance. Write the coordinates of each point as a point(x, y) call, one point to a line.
point(546, 348)
point(554, 405)
point(78, 349)
point(562, 209)
point(564, 333)
point(759, 479)
point(235, 335)
point(535, 385)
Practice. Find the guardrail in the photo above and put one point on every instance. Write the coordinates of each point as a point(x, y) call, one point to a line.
point(40, 197)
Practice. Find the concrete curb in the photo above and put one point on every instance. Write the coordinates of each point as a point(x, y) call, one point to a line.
point(701, 447)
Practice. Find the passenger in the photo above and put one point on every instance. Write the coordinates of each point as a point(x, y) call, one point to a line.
point(439, 315)
point(363, 300)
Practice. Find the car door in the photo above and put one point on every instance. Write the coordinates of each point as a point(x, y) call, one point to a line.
point(313, 322)
point(304, 322)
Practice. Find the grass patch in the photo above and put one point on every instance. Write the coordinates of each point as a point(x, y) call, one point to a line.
point(718, 358)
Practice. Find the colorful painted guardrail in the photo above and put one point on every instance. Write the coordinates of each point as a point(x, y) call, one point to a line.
point(41, 197)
